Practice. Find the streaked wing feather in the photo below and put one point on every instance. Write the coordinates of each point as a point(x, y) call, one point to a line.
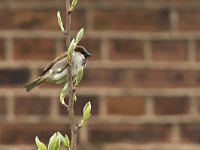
point(63, 55)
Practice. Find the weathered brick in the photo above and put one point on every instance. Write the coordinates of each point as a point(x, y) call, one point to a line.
point(80, 103)
point(169, 50)
point(34, 49)
point(32, 105)
point(135, 20)
point(2, 50)
point(190, 133)
point(166, 78)
point(40, 19)
point(126, 50)
point(126, 105)
point(3, 105)
point(93, 46)
point(189, 20)
point(171, 105)
point(104, 77)
point(13, 77)
point(26, 133)
point(146, 133)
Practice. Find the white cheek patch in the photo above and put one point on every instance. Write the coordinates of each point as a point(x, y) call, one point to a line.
point(51, 71)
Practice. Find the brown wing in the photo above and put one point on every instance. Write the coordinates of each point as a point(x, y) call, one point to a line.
point(63, 55)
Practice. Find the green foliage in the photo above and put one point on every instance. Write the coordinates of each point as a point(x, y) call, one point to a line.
point(60, 23)
point(79, 35)
point(86, 113)
point(39, 144)
point(64, 93)
point(79, 77)
point(54, 142)
point(74, 2)
point(66, 142)
point(74, 43)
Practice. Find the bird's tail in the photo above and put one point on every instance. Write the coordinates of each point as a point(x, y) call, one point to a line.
point(29, 86)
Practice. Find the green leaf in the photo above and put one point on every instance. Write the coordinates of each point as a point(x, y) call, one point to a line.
point(64, 93)
point(74, 2)
point(79, 35)
point(74, 97)
point(54, 142)
point(67, 142)
point(71, 48)
point(61, 137)
point(79, 77)
point(60, 23)
point(39, 144)
point(86, 112)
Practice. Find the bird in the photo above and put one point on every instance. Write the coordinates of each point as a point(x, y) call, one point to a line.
point(56, 71)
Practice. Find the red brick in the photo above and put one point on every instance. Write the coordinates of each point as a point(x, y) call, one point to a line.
point(146, 133)
point(26, 133)
point(37, 19)
point(3, 105)
point(169, 50)
point(166, 78)
point(182, 3)
point(126, 50)
point(171, 105)
point(126, 105)
point(198, 50)
point(80, 103)
point(104, 77)
point(190, 133)
point(93, 46)
point(189, 20)
point(34, 49)
point(198, 103)
point(137, 20)
point(2, 50)
point(13, 77)
point(32, 105)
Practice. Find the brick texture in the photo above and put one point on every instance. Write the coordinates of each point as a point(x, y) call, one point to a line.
point(143, 78)
point(13, 77)
point(3, 106)
point(2, 50)
point(33, 105)
point(171, 105)
point(131, 105)
point(132, 20)
point(146, 133)
point(169, 51)
point(26, 50)
point(126, 49)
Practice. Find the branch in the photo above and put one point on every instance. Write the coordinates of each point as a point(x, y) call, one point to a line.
point(73, 127)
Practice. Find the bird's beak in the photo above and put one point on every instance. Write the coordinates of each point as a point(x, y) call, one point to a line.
point(88, 54)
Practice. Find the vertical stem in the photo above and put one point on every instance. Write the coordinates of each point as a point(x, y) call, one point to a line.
point(70, 82)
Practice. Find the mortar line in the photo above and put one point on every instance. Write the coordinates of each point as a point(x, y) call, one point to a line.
point(193, 108)
point(174, 20)
point(149, 106)
point(147, 51)
point(10, 107)
point(9, 49)
point(191, 51)
point(175, 137)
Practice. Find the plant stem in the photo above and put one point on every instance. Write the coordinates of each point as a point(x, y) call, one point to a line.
point(73, 127)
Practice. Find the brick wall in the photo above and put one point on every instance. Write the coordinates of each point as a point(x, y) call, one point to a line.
point(143, 79)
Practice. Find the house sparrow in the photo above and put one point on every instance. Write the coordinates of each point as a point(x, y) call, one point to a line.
point(56, 71)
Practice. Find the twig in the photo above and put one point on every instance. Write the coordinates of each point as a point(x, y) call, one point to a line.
point(70, 108)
